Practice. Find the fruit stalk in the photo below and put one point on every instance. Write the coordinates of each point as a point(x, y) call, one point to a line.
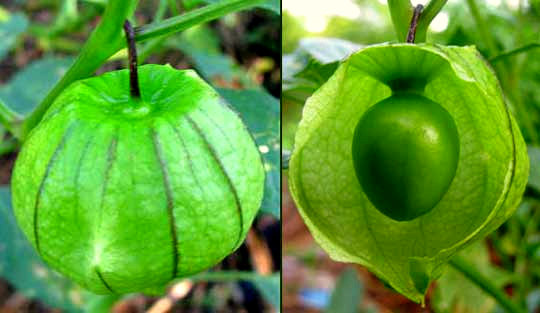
point(414, 23)
point(401, 12)
point(132, 57)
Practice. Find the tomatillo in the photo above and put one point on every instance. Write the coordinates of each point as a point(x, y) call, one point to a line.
point(125, 194)
point(405, 151)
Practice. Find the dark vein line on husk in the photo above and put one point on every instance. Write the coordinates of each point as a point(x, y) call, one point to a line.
point(102, 279)
point(188, 156)
point(218, 161)
point(170, 199)
point(41, 189)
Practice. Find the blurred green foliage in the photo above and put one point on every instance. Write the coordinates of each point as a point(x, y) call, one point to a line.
point(30, 85)
point(456, 294)
point(347, 293)
point(260, 112)
point(11, 26)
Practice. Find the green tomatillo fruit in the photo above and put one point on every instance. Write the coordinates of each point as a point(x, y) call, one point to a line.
point(405, 151)
point(405, 156)
point(124, 194)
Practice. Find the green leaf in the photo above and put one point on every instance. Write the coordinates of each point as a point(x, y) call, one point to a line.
point(487, 188)
point(11, 27)
point(457, 294)
point(311, 64)
point(201, 44)
point(260, 111)
point(68, 14)
point(272, 5)
point(347, 294)
point(30, 86)
point(23, 268)
point(270, 288)
point(192, 18)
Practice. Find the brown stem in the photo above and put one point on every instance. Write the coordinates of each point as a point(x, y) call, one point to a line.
point(132, 55)
point(414, 23)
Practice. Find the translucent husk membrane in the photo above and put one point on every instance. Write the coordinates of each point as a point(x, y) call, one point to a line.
point(490, 179)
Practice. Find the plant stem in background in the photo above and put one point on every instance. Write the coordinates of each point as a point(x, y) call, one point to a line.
point(161, 10)
point(224, 276)
point(482, 28)
point(428, 14)
point(174, 7)
point(150, 47)
point(522, 262)
point(154, 43)
point(192, 18)
point(132, 57)
point(511, 91)
point(485, 284)
point(401, 12)
point(514, 52)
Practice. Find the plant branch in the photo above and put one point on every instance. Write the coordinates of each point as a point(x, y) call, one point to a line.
point(225, 276)
point(103, 42)
point(508, 85)
point(192, 18)
point(154, 43)
point(484, 283)
point(514, 52)
point(428, 14)
point(401, 12)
